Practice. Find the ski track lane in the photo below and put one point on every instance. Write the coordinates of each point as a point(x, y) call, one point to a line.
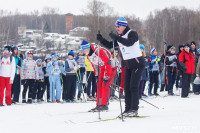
point(178, 115)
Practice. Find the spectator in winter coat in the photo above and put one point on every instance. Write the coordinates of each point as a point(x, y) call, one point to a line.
point(115, 57)
point(144, 74)
point(80, 59)
point(39, 83)
point(179, 75)
point(187, 63)
point(54, 69)
point(28, 75)
point(193, 48)
point(171, 63)
point(196, 88)
point(7, 74)
point(155, 62)
point(91, 80)
point(71, 68)
point(15, 90)
point(46, 79)
point(128, 42)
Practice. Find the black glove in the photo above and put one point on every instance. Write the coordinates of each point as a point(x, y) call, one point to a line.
point(53, 64)
point(174, 60)
point(99, 37)
point(114, 36)
point(22, 81)
point(105, 78)
point(21, 56)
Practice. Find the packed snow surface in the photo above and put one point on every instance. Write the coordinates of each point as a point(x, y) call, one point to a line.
point(175, 115)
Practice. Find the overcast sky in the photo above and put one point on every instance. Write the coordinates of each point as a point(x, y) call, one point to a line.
point(140, 8)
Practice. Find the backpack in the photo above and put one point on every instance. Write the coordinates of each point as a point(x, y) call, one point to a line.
point(10, 58)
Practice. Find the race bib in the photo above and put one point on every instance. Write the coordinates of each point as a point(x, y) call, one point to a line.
point(95, 59)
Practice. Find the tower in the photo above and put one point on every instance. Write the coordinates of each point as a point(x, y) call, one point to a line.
point(69, 18)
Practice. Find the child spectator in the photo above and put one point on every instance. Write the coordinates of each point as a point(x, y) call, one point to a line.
point(54, 69)
point(171, 63)
point(91, 80)
point(80, 59)
point(46, 79)
point(144, 74)
point(70, 67)
point(39, 83)
point(28, 75)
point(155, 63)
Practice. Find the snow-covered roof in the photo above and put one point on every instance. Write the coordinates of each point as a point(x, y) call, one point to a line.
point(80, 28)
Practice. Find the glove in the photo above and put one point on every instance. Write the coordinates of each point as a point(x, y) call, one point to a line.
point(75, 68)
point(105, 78)
point(53, 64)
point(21, 56)
point(174, 60)
point(99, 37)
point(114, 36)
point(42, 80)
point(149, 59)
point(121, 90)
point(197, 75)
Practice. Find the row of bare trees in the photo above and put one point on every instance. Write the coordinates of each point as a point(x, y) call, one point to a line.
point(174, 25)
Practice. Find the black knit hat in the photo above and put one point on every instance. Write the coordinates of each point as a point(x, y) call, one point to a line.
point(169, 46)
point(193, 42)
point(186, 45)
point(7, 48)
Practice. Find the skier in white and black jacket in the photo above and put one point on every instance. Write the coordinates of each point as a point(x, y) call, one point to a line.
point(128, 42)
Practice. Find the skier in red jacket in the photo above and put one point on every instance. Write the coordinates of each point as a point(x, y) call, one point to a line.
point(100, 57)
point(187, 63)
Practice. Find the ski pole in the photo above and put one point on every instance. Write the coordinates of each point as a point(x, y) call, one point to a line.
point(150, 104)
point(117, 81)
point(98, 78)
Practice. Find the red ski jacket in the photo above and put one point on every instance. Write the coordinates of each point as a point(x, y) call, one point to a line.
point(187, 59)
point(104, 59)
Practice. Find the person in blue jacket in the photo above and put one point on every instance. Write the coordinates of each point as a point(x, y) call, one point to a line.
point(54, 69)
point(155, 63)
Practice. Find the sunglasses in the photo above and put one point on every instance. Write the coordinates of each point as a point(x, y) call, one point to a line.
point(117, 26)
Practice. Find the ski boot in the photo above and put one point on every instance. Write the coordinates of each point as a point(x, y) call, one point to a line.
point(124, 114)
point(23, 101)
point(103, 108)
point(34, 101)
point(94, 109)
point(29, 101)
point(132, 113)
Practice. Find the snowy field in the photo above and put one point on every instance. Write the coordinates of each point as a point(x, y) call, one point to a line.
point(176, 115)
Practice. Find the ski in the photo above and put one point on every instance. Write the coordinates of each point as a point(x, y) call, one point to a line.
point(104, 120)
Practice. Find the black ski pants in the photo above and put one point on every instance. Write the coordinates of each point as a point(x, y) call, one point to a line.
point(70, 87)
point(46, 87)
point(15, 90)
point(29, 84)
point(153, 80)
point(131, 87)
point(37, 90)
point(185, 84)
